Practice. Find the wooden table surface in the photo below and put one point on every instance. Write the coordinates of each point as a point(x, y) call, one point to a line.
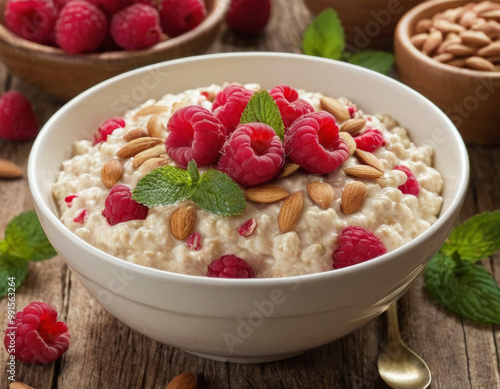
point(106, 354)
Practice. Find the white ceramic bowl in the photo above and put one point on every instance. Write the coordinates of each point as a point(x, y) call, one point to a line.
point(253, 320)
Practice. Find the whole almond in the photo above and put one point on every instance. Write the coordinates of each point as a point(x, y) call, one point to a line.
point(369, 159)
point(457, 62)
point(467, 18)
point(19, 385)
point(450, 39)
point(9, 169)
point(433, 41)
point(152, 152)
point(154, 126)
point(321, 193)
point(111, 172)
point(419, 39)
point(475, 38)
point(446, 26)
point(184, 381)
point(290, 211)
point(335, 107)
point(134, 134)
point(153, 163)
point(460, 50)
point(353, 126)
point(265, 193)
point(135, 146)
point(491, 29)
point(491, 14)
point(479, 63)
point(494, 60)
point(288, 169)
point(493, 49)
point(182, 221)
point(423, 25)
point(484, 6)
point(363, 171)
point(351, 143)
point(443, 57)
point(150, 110)
point(353, 197)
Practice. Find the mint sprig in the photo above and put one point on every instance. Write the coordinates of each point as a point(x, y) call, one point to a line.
point(262, 108)
point(213, 191)
point(24, 241)
point(324, 37)
point(456, 282)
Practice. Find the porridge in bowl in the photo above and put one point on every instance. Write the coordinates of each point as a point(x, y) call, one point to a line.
point(192, 185)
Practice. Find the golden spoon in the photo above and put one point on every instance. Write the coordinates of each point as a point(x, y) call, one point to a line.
point(398, 366)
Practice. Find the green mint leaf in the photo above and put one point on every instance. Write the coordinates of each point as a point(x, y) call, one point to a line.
point(463, 288)
point(25, 238)
point(11, 266)
point(380, 61)
point(477, 238)
point(217, 193)
point(193, 172)
point(262, 108)
point(163, 186)
point(324, 37)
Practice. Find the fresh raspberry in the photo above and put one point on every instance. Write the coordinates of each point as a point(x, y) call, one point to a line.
point(411, 186)
point(35, 336)
point(248, 16)
point(314, 143)
point(178, 17)
point(17, 119)
point(230, 266)
point(370, 140)
point(120, 207)
point(356, 245)
point(81, 216)
point(193, 241)
point(136, 27)
point(31, 19)
point(109, 6)
point(290, 105)
point(194, 133)
point(252, 155)
point(229, 104)
point(81, 27)
point(107, 128)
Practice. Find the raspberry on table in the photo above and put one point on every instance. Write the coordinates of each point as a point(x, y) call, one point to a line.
point(81, 27)
point(194, 133)
point(411, 186)
point(17, 119)
point(253, 154)
point(136, 27)
point(178, 17)
point(370, 140)
point(356, 245)
point(31, 19)
point(290, 105)
point(107, 128)
point(120, 207)
point(229, 104)
point(313, 142)
point(230, 266)
point(39, 337)
point(248, 16)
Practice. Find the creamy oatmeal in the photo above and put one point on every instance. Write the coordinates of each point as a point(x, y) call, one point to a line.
point(394, 217)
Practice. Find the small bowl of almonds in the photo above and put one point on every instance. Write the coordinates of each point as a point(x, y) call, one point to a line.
point(450, 52)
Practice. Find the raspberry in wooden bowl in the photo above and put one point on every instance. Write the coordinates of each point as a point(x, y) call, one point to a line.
point(449, 52)
point(282, 275)
point(64, 74)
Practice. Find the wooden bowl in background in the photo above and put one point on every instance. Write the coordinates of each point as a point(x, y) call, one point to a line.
point(65, 75)
point(367, 23)
point(470, 98)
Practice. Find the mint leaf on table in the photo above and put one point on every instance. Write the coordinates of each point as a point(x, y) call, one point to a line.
point(464, 288)
point(163, 186)
point(25, 238)
point(11, 267)
point(262, 108)
point(213, 191)
point(380, 61)
point(217, 193)
point(324, 37)
point(476, 238)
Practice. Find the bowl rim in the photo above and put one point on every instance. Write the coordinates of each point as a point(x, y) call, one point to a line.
point(404, 27)
point(215, 16)
point(42, 207)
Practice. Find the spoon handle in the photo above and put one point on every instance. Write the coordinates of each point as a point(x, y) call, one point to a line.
point(392, 323)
